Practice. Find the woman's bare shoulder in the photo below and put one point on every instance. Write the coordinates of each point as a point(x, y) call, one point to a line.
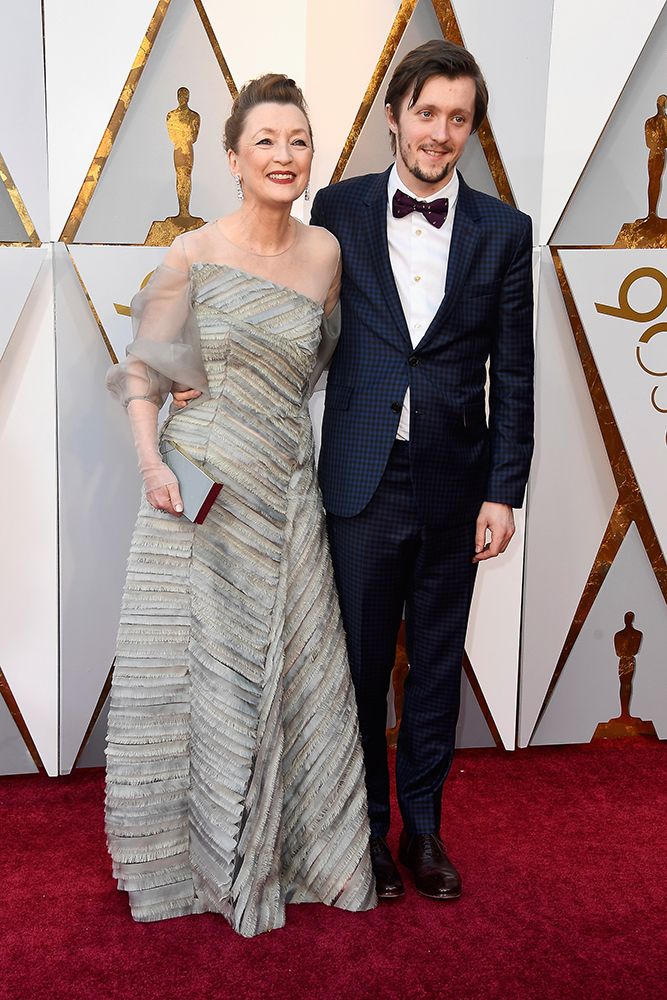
point(321, 240)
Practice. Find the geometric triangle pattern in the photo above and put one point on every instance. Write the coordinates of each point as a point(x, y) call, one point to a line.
point(621, 298)
point(18, 753)
point(18, 270)
point(587, 693)
point(558, 595)
point(612, 189)
point(591, 85)
point(174, 104)
point(16, 226)
point(573, 485)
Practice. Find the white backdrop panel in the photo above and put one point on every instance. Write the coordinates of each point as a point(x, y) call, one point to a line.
point(594, 46)
point(258, 37)
point(472, 729)
point(517, 100)
point(14, 755)
point(22, 109)
point(89, 52)
point(18, 270)
point(595, 276)
point(570, 498)
point(331, 45)
point(613, 187)
point(587, 692)
point(28, 527)
point(12, 229)
point(112, 275)
point(138, 184)
point(99, 491)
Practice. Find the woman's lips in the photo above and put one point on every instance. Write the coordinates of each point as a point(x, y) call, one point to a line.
point(281, 177)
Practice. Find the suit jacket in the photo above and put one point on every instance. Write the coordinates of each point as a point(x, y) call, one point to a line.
point(486, 314)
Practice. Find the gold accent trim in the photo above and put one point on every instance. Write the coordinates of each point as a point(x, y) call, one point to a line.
point(101, 701)
point(104, 149)
point(215, 45)
point(450, 29)
point(18, 203)
point(629, 507)
point(96, 316)
point(396, 32)
point(17, 716)
point(469, 671)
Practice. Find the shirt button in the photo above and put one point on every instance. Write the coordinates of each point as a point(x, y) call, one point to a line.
point(418, 232)
point(396, 407)
point(418, 277)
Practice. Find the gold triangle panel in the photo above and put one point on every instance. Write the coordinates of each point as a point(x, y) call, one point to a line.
point(106, 144)
point(101, 701)
point(96, 315)
point(469, 671)
point(32, 239)
point(450, 29)
point(395, 34)
point(103, 152)
point(629, 507)
point(15, 712)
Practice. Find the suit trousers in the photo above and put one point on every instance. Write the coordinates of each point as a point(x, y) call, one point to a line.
point(386, 559)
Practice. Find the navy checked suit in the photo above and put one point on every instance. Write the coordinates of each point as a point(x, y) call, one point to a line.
point(401, 517)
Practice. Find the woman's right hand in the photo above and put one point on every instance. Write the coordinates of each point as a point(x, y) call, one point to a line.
point(162, 492)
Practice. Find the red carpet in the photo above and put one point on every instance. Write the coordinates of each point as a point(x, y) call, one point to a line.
point(562, 852)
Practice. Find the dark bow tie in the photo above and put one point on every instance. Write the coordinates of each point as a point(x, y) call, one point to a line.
point(434, 212)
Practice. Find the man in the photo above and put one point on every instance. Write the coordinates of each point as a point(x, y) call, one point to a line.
point(417, 489)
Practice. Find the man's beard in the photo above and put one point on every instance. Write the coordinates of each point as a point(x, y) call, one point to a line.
point(421, 175)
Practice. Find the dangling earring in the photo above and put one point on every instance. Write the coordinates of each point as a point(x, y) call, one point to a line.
point(306, 193)
point(239, 189)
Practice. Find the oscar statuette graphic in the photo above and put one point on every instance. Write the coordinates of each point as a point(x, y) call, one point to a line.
point(627, 644)
point(183, 128)
point(651, 231)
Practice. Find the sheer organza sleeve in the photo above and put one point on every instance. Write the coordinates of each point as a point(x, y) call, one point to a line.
point(329, 327)
point(166, 348)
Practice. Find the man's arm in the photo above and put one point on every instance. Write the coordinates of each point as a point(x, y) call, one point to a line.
point(510, 404)
point(317, 216)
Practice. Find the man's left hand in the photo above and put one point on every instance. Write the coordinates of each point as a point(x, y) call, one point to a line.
point(498, 520)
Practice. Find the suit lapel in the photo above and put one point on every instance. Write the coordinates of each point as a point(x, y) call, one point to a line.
point(462, 250)
point(376, 202)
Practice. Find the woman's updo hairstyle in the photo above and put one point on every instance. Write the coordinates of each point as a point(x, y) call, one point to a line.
point(272, 88)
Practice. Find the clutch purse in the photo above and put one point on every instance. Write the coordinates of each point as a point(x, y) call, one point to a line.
point(198, 490)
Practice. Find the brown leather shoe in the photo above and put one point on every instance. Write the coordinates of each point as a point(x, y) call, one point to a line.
point(388, 882)
point(434, 874)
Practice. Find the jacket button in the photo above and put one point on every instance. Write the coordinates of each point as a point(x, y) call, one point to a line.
point(413, 361)
point(396, 407)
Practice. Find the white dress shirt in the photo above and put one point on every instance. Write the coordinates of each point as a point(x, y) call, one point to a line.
point(419, 253)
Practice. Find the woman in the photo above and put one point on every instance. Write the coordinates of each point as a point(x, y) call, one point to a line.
point(235, 778)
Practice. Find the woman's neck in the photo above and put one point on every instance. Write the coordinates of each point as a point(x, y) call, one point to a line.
point(260, 229)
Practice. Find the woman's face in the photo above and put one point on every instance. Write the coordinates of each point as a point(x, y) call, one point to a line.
point(274, 155)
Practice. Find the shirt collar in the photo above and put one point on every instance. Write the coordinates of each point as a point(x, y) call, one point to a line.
point(449, 191)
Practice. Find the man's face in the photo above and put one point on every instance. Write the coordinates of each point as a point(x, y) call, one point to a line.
point(432, 134)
